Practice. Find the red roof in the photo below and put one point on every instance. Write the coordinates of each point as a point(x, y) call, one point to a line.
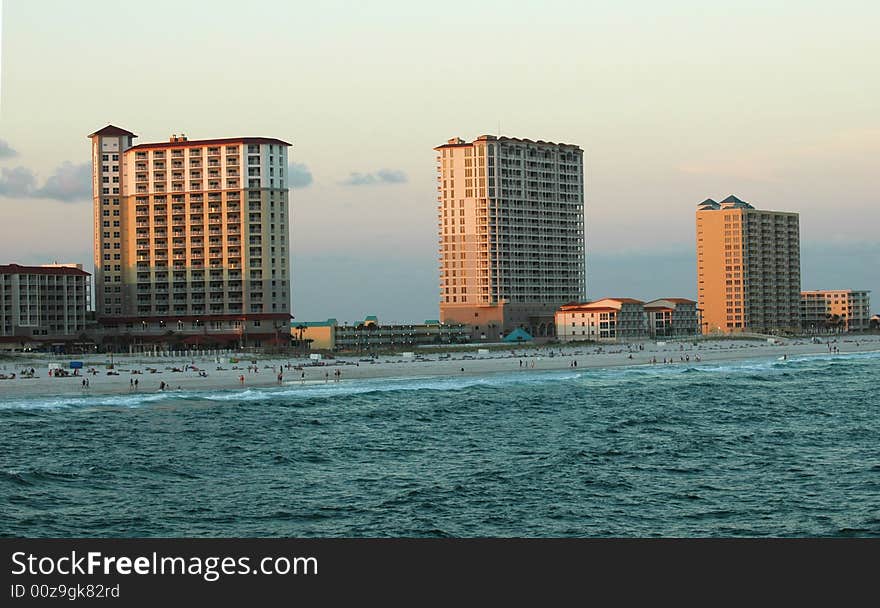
point(622, 300)
point(597, 305)
point(18, 269)
point(190, 143)
point(111, 131)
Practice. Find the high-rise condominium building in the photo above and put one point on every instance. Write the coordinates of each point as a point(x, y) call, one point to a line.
point(192, 236)
point(748, 268)
point(511, 228)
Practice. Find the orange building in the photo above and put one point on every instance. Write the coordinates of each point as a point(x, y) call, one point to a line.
point(191, 236)
point(510, 219)
point(835, 310)
point(748, 268)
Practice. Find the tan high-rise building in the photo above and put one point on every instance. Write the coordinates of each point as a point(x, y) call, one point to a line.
point(748, 268)
point(511, 233)
point(192, 236)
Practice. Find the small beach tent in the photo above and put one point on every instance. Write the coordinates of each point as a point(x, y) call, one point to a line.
point(518, 335)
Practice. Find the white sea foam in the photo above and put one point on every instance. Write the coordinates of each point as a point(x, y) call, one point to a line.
point(294, 391)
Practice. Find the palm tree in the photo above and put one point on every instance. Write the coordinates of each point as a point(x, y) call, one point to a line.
point(300, 328)
point(832, 321)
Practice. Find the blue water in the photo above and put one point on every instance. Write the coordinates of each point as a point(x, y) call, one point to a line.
point(749, 448)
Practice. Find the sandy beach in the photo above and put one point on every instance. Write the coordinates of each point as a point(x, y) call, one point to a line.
point(230, 372)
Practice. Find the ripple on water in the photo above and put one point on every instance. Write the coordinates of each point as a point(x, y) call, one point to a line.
point(747, 448)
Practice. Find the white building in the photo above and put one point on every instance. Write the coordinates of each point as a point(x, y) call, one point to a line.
point(605, 320)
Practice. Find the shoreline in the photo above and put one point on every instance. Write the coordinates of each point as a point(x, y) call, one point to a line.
point(458, 363)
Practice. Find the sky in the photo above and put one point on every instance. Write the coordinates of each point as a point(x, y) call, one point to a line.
point(672, 102)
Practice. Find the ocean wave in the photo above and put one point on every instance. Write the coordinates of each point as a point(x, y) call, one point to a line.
point(293, 393)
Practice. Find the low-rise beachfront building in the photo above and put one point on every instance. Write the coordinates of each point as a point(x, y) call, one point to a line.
point(605, 320)
point(40, 304)
point(672, 318)
point(835, 310)
point(369, 334)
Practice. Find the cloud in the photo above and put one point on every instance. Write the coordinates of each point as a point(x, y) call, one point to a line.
point(382, 176)
point(6, 150)
point(299, 175)
point(17, 182)
point(68, 183)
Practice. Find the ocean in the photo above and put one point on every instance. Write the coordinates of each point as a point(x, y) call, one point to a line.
point(748, 448)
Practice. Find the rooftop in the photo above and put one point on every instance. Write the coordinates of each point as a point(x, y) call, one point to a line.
point(112, 131)
point(56, 270)
point(458, 142)
point(193, 143)
point(600, 303)
point(662, 302)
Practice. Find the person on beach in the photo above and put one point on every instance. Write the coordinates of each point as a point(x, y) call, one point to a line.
point(135, 384)
point(241, 379)
point(302, 378)
point(84, 383)
point(131, 384)
point(280, 376)
point(326, 377)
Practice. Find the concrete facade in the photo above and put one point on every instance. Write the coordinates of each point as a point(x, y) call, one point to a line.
point(191, 234)
point(510, 220)
point(835, 310)
point(605, 320)
point(672, 318)
point(748, 268)
point(42, 303)
point(370, 334)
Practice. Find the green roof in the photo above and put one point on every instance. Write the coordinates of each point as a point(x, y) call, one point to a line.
point(518, 335)
point(372, 318)
point(327, 323)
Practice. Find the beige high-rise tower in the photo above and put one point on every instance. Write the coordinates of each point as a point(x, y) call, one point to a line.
point(192, 237)
point(748, 268)
point(511, 233)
